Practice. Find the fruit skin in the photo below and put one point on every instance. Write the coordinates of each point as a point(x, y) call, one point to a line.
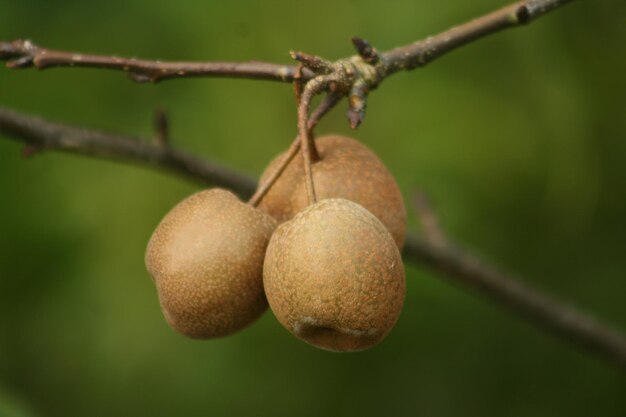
point(334, 277)
point(347, 169)
point(206, 259)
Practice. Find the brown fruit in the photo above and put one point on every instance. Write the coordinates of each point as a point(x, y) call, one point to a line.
point(334, 277)
point(347, 169)
point(206, 259)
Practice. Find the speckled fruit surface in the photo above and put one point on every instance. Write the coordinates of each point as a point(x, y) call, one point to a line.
point(334, 277)
point(206, 259)
point(347, 169)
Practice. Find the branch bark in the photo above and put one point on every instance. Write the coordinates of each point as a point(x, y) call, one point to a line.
point(454, 262)
point(22, 53)
point(462, 268)
point(41, 135)
point(422, 52)
point(25, 54)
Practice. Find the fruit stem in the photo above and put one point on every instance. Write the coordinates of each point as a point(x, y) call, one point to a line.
point(305, 147)
point(312, 88)
point(298, 88)
point(325, 106)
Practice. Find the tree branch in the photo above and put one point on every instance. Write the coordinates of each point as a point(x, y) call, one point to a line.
point(454, 262)
point(425, 51)
point(25, 54)
point(41, 135)
point(460, 267)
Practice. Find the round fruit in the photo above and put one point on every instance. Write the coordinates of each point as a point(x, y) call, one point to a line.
point(206, 259)
point(334, 277)
point(346, 169)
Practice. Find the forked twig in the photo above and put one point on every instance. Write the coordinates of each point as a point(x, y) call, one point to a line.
point(325, 106)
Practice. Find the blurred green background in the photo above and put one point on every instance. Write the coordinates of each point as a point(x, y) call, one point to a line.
point(520, 140)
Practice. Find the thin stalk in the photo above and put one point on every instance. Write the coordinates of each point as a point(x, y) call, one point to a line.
point(329, 102)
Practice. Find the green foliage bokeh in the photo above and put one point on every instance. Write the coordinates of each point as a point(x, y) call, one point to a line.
point(519, 139)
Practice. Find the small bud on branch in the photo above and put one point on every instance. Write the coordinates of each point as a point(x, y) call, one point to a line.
point(365, 50)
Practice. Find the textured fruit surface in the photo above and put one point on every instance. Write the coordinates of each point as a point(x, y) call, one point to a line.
point(206, 259)
point(334, 277)
point(347, 169)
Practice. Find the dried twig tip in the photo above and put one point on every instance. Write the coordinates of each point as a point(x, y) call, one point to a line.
point(355, 118)
point(315, 63)
point(365, 50)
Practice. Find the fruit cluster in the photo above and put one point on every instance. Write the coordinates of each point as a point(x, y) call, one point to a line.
point(331, 271)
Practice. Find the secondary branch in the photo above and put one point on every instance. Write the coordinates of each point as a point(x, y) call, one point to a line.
point(457, 264)
point(41, 135)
